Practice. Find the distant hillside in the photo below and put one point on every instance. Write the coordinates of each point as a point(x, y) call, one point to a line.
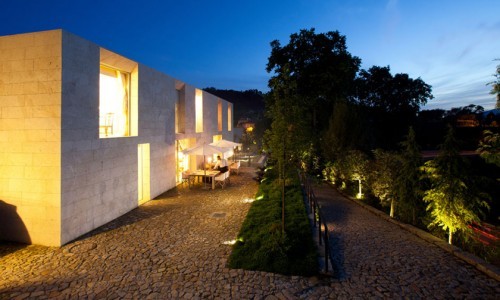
point(247, 104)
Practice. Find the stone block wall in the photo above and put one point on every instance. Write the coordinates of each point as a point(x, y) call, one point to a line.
point(58, 178)
point(30, 137)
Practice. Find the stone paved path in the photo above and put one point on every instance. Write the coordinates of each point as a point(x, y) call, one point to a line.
point(383, 260)
point(174, 247)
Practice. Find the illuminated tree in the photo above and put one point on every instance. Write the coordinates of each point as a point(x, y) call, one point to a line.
point(384, 177)
point(357, 163)
point(407, 183)
point(489, 147)
point(314, 70)
point(452, 199)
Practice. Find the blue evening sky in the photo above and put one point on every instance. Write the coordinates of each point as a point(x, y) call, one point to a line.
point(450, 44)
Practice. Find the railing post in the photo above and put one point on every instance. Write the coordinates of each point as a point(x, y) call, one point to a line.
point(319, 228)
point(326, 249)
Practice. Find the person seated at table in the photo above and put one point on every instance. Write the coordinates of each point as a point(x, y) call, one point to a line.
point(221, 164)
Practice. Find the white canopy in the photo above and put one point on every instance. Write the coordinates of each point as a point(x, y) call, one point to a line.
point(226, 144)
point(205, 149)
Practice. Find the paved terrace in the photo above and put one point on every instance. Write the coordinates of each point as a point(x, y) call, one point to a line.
point(173, 247)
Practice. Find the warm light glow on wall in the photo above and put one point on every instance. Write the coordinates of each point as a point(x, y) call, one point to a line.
point(249, 129)
point(182, 160)
point(199, 110)
point(229, 117)
point(143, 173)
point(216, 138)
point(114, 103)
point(219, 115)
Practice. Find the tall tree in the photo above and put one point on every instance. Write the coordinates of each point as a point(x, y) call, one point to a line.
point(452, 200)
point(384, 176)
point(317, 69)
point(408, 187)
point(357, 164)
point(489, 147)
point(346, 130)
point(393, 102)
point(495, 86)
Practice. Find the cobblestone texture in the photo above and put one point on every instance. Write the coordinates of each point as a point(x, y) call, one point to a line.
point(174, 247)
point(391, 262)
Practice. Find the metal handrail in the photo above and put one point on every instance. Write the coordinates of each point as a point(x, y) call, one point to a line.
point(318, 219)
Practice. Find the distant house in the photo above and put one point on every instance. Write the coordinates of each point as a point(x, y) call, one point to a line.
point(87, 135)
point(467, 120)
point(491, 118)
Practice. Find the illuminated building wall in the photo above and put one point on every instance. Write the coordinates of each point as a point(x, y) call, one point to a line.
point(30, 137)
point(60, 176)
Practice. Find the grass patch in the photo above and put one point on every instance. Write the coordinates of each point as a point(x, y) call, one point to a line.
point(262, 246)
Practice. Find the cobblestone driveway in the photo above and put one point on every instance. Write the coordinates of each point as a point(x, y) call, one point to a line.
point(380, 258)
point(173, 247)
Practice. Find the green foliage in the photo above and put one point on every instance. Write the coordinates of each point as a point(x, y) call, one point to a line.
point(489, 147)
point(392, 103)
point(452, 200)
point(310, 73)
point(495, 86)
point(384, 176)
point(347, 170)
point(407, 183)
point(346, 130)
point(378, 88)
point(261, 244)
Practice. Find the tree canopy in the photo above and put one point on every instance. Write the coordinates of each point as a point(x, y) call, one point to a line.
point(316, 68)
point(495, 86)
point(452, 200)
point(378, 88)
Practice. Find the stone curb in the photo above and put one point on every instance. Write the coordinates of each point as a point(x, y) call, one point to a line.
point(483, 266)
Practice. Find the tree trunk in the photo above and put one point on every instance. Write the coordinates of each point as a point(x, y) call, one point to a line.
point(391, 214)
point(450, 236)
point(359, 189)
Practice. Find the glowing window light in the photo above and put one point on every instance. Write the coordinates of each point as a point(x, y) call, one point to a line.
point(219, 115)
point(229, 117)
point(114, 101)
point(199, 110)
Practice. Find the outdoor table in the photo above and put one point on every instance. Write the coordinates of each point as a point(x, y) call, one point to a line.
point(204, 174)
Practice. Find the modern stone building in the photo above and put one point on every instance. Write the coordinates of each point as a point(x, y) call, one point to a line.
point(87, 135)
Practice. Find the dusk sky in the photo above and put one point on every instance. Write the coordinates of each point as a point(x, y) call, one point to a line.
point(450, 44)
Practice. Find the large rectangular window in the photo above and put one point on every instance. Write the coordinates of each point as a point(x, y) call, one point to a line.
point(199, 110)
point(229, 117)
point(219, 115)
point(114, 102)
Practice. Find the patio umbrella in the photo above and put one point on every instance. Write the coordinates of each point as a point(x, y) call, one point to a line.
point(226, 144)
point(204, 149)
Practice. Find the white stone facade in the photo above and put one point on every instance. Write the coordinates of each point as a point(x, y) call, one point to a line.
point(58, 178)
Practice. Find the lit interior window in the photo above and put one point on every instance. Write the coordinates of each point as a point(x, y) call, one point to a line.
point(114, 102)
point(199, 110)
point(219, 115)
point(229, 117)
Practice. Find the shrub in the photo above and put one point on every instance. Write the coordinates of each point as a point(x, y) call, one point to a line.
point(262, 246)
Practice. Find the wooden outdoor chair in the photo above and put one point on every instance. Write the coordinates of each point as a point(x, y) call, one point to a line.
point(235, 167)
point(221, 179)
point(186, 178)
